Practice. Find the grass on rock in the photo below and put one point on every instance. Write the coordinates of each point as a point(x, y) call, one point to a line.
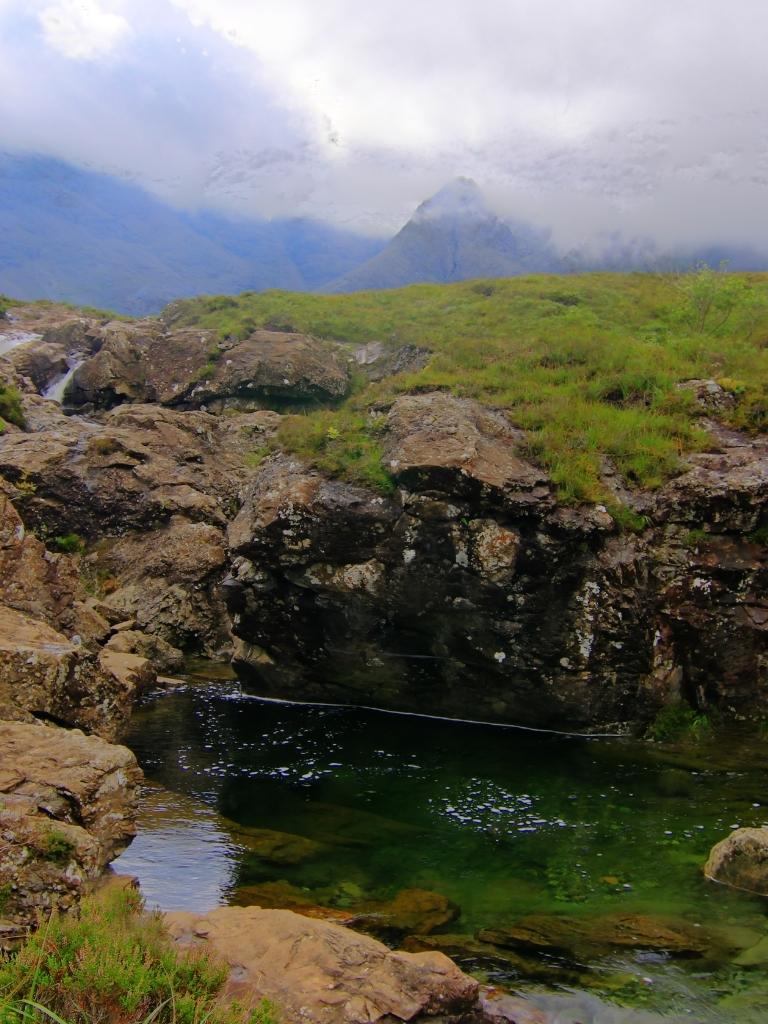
point(588, 365)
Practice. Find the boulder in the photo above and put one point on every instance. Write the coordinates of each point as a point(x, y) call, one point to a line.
point(319, 972)
point(741, 860)
point(145, 362)
point(455, 445)
point(153, 649)
point(67, 808)
point(42, 673)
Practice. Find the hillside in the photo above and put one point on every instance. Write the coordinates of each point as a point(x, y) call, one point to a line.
point(589, 366)
point(453, 236)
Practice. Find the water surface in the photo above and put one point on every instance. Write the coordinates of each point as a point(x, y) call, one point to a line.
point(504, 822)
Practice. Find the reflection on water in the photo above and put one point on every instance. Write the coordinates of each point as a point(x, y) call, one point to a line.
point(337, 806)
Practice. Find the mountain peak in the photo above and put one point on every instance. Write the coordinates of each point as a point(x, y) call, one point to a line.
point(460, 198)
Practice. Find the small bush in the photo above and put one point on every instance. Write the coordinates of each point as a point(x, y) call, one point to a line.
point(676, 721)
point(57, 848)
point(110, 963)
point(68, 544)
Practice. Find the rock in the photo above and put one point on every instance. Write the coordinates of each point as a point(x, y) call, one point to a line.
point(145, 362)
point(43, 584)
point(709, 396)
point(741, 860)
point(411, 910)
point(320, 972)
point(455, 445)
point(282, 895)
point(570, 936)
point(152, 649)
point(275, 847)
point(68, 808)
point(166, 580)
point(378, 361)
point(43, 673)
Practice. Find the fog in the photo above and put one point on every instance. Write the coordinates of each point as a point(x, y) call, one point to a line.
point(645, 118)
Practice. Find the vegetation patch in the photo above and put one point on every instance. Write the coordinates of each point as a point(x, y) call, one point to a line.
point(589, 365)
point(10, 407)
point(678, 721)
point(67, 543)
point(111, 963)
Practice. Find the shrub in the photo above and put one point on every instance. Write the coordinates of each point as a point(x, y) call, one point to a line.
point(110, 963)
point(10, 406)
point(68, 544)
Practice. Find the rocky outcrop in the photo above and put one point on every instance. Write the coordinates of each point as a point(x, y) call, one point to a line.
point(43, 674)
point(741, 860)
point(321, 972)
point(67, 808)
point(471, 587)
point(145, 362)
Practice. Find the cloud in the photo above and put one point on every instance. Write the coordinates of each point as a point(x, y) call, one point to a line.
point(82, 29)
point(647, 116)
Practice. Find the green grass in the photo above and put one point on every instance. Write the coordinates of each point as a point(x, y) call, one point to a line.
point(588, 365)
point(10, 407)
point(110, 963)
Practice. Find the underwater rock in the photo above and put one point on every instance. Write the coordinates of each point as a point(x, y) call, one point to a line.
point(274, 847)
point(541, 933)
point(741, 860)
point(320, 973)
point(411, 910)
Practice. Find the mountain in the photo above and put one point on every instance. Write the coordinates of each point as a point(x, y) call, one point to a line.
point(93, 239)
point(451, 237)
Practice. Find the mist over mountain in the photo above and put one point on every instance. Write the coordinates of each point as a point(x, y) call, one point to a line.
point(89, 238)
point(452, 237)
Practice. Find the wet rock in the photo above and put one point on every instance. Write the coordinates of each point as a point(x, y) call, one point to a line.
point(411, 910)
point(320, 972)
point(741, 860)
point(275, 847)
point(67, 808)
point(569, 936)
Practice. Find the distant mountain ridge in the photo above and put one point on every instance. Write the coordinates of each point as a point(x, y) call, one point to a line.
point(454, 236)
point(91, 239)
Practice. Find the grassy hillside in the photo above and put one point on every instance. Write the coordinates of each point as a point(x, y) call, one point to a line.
point(587, 364)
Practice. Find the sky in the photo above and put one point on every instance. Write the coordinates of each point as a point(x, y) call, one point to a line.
point(588, 116)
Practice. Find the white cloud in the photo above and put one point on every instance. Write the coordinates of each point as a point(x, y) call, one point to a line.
point(82, 29)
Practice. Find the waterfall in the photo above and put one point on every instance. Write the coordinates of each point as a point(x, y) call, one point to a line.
point(55, 391)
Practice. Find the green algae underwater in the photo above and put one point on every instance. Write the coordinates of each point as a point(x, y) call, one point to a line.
point(506, 823)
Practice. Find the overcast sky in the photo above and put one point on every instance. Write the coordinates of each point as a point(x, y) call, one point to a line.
point(650, 117)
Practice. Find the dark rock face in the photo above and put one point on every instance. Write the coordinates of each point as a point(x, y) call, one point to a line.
point(472, 594)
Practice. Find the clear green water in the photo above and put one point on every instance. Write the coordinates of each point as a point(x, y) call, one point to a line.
point(502, 821)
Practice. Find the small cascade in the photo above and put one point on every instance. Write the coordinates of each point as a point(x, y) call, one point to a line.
point(12, 339)
point(55, 391)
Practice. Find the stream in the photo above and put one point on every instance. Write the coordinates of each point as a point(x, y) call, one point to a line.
point(502, 821)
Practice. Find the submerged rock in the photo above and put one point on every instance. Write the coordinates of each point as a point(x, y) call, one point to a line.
point(320, 972)
point(741, 860)
point(67, 808)
point(568, 935)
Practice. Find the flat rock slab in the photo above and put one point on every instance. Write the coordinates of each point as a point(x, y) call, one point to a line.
point(316, 971)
